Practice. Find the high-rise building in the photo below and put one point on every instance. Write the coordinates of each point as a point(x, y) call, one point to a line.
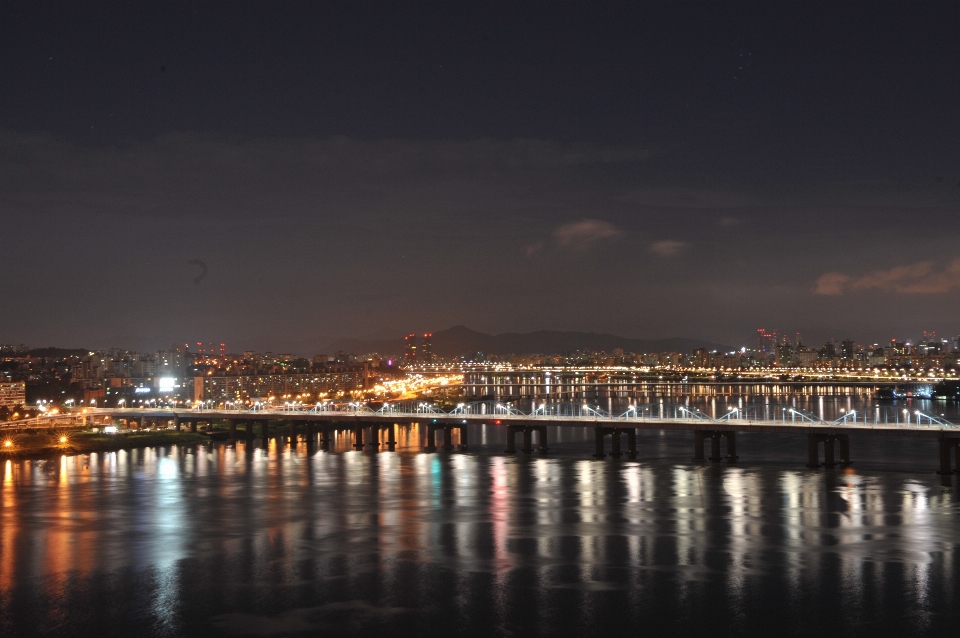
point(766, 341)
point(410, 348)
point(846, 349)
point(13, 395)
point(426, 348)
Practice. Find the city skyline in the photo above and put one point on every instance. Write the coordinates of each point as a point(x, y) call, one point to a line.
point(761, 341)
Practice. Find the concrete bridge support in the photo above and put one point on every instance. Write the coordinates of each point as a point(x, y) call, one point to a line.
point(308, 433)
point(432, 428)
point(176, 422)
point(731, 447)
point(511, 437)
point(698, 445)
point(193, 425)
point(391, 437)
point(232, 424)
point(431, 445)
point(715, 448)
point(264, 434)
point(448, 435)
point(325, 437)
point(829, 460)
point(293, 433)
point(700, 436)
point(945, 446)
point(248, 431)
point(601, 432)
point(527, 441)
point(512, 431)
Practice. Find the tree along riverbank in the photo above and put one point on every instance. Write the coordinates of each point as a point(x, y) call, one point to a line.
point(45, 444)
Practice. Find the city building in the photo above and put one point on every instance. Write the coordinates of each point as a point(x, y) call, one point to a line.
point(13, 395)
point(265, 386)
point(426, 349)
point(410, 349)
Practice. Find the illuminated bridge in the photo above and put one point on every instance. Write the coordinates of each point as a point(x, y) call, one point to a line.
point(380, 424)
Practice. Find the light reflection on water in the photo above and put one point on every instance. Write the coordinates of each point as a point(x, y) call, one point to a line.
point(230, 541)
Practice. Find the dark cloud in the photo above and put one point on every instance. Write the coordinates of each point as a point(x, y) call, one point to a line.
point(667, 247)
point(923, 277)
point(584, 233)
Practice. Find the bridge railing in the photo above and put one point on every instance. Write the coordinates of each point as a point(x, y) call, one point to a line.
point(888, 415)
point(672, 411)
point(774, 413)
point(569, 410)
point(752, 414)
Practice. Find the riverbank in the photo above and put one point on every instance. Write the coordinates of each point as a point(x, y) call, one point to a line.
point(47, 444)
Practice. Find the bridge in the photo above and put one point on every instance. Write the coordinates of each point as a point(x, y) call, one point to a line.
point(380, 423)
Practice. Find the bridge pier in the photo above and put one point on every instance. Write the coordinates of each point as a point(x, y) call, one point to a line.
point(265, 434)
point(293, 433)
point(431, 438)
point(392, 437)
point(232, 424)
point(512, 430)
point(828, 452)
point(308, 433)
point(698, 445)
point(358, 438)
point(731, 446)
point(325, 437)
point(248, 432)
point(176, 422)
point(600, 432)
point(511, 435)
point(541, 431)
point(193, 425)
point(829, 460)
point(374, 442)
point(615, 444)
point(448, 437)
point(699, 436)
point(715, 447)
point(463, 436)
point(945, 445)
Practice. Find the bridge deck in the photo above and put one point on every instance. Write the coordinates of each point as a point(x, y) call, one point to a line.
point(640, 422)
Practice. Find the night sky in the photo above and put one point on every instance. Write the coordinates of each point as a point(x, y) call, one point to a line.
point(358, 170)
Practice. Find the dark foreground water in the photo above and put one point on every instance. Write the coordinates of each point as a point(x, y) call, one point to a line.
point(226, 542)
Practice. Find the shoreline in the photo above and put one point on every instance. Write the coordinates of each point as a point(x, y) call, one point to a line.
point(43, 446)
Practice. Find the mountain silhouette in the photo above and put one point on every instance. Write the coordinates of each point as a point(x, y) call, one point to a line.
point(461, 340)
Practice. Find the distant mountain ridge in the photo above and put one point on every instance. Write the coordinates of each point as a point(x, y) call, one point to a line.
point(460, 340)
